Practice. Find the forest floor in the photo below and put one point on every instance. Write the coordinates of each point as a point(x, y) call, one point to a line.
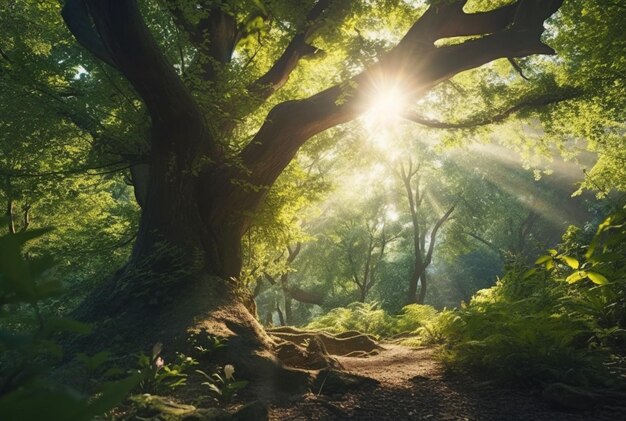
point(412, 385)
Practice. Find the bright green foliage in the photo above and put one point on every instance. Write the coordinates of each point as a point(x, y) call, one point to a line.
point(371, 319)
point(28, 346)
point(556, 322)
point(435, 331)
point(363, 317)
point(414, 316)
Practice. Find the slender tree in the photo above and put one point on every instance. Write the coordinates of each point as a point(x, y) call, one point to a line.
point(422, 253)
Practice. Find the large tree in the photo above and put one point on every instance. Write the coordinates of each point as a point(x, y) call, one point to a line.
point(198, 188)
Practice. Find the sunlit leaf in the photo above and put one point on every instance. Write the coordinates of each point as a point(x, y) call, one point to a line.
point(543, 259)
point(571, 262)
point(576, 276)
point(597, 278)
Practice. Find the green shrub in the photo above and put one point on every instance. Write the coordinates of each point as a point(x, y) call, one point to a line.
point(28, 349)
point(414, 316)
point(559, 321)
point(363, 317)
point(369, 318)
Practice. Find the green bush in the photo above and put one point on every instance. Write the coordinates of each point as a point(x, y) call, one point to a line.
point(559, 321)
point(371, 319)
point(414, 316)
point(28, 349)
point(363, 317)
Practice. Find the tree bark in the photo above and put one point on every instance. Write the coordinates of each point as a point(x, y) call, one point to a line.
point(423, 286)
point(288, 311)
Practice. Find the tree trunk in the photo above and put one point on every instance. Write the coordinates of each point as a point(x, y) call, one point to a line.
point(414, 281)
point(423, 285)
point(281, 317)
point(362, 294)
point(288, 310)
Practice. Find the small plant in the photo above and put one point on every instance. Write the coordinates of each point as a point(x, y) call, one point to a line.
point(206, 343)
point(225, 387)
point(157, 375)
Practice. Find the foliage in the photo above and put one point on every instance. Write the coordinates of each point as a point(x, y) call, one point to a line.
point(369, 318)
point(414, 316)
point(559, 321)
point(363, 317)
point(157, 375)
point(28, 346)
point(436, 330)
point(224, 386)
point(206, 343)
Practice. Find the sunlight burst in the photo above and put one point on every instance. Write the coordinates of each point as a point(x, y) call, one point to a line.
point(385, 106)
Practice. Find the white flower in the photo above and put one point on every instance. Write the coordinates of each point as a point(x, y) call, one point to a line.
point(159, 362)
point(229, 370)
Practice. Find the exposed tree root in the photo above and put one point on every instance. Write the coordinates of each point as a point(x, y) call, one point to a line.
point(285, 362)
point(355, 343)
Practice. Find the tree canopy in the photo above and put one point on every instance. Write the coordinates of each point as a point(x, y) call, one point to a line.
point(225, 165)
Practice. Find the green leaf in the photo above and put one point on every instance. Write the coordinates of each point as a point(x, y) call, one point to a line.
point(597, 278)
point(112, 394)
point(576, 276)
point(543, 259)
point(571, 262)
point(94, 361)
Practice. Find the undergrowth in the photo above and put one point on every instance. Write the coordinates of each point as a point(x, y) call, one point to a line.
point(562, 320)
point(371, 319)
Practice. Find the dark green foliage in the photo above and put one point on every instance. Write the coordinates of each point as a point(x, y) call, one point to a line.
point(29, 347)
point(224, 386)
point(206, 343)
point(159, 376)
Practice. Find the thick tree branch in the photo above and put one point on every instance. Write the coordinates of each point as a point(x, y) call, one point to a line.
point(415, 63)
point(530, 103)
point(134, 52)
point(298, 48)
point(76, 16)
point(305, 296)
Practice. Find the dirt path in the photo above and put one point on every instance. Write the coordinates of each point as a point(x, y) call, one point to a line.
point(412, 386)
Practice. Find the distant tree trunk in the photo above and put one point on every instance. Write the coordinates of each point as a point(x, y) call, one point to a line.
point(281, 317)
point(362, 294)
point(414, 282)
point(10, 216)
point(422, 257)
point(288, 310)
point(423, 286)
point(290, 292)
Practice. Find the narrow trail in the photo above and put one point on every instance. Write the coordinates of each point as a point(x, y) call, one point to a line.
point(412, 385)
